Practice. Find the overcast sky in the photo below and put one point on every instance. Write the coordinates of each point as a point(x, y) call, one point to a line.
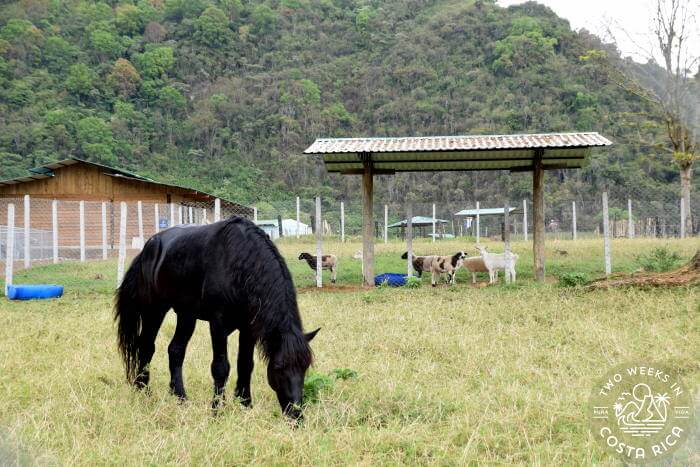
point(632, 16)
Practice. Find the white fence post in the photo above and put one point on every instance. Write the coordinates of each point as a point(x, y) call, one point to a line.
point(573, 220)
point(409, 238)
point(122, 243)
point(217, 210)
point(477, 222)
point(255, 214)
point(525, 219)
point(342, 222)
point(319, 245)
point(433, 222)
point(27, 233)
point(298, 218)
point(172, 214)
point(630, 222)
point(104, 230)
point(204, 216)
point(606, 234)
point(54, 229)
point(682, 217)
point(506, 242)
point(179, 215)
point(82, 231)
point(10, 247)
point(156, 214)
point(139, 207)
point(386, 223)
point(190, 216)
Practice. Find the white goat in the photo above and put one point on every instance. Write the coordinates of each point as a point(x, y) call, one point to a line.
point(497, 261)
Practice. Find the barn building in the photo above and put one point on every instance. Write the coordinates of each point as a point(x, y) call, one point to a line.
point(101, 189)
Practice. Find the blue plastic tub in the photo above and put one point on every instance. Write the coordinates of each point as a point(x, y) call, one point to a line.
point(391, 279)
point(28, 292)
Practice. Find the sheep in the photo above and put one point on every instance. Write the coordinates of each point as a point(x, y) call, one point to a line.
point(496, 261)
point(420, 263)
point(329, 262)
point(475, 264)
point(446, 264)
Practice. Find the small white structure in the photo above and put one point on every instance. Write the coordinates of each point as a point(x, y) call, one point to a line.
point(289, 228)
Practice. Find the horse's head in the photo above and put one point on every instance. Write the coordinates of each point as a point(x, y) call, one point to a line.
point(286, 370)
point(305, 256)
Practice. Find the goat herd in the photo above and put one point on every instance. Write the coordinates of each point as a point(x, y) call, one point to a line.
point(438, 265)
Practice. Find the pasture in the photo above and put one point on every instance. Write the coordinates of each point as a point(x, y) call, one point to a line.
point(451, 375)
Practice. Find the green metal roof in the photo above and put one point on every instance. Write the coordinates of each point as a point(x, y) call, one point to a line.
point(418, 221)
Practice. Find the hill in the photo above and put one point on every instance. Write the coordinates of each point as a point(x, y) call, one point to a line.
point(224, 95)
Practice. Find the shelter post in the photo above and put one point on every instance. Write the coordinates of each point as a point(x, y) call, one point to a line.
point(319, 245)
point(367, 216)
point(538, 214)
point(409, 237)
point(606, 234)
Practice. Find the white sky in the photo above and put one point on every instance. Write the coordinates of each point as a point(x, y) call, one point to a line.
point(632, 16)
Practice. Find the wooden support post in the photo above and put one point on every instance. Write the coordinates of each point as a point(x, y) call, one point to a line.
point(683, 217)
point(477, 223)
point(82, 231)
point(10, 246)
point(525, 219)
point(506, 241)
point(386, 223)
point(104, 230)
point(54, 229)
point(630, 222)
point(606, 234)
point(27, 233)
point(122, 243)
point(573, 220)
point(139, 208)
point(538, 215)
point(409, 238)
point(298, 219)
point(367, 221)
point(172, 214)
point(217, 210)
point(156, 215)
point(319, 245)
point(342, 221)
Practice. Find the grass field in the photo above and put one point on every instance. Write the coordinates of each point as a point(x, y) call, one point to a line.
point(452, 375)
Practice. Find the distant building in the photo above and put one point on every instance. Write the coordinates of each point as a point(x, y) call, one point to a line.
point(289, 228)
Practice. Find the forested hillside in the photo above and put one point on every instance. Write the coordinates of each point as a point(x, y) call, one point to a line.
point(225, 94)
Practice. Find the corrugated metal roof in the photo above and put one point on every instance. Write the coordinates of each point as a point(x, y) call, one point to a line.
point(456, 143)
point(487, 212)
point(418, 220)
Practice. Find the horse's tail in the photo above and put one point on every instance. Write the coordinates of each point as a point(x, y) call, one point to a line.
point(127, 314)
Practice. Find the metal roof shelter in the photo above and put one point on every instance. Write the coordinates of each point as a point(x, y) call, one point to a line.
point(487, 212)
point(417, 221)
point(517, 153)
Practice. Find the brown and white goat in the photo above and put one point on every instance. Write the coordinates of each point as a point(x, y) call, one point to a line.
point(446, 264)
point(421, 264)
point(329, 262)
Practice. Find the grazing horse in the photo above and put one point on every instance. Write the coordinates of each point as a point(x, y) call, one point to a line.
point(230, 274)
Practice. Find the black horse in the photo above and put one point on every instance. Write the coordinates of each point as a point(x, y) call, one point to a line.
point(231, 275)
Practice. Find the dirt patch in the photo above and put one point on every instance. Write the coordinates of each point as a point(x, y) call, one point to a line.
point(685, 276)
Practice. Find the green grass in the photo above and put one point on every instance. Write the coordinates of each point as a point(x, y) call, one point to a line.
point(451, 375)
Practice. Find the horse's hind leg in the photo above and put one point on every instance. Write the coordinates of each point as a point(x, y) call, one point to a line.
point(186, 323)
point(152, 319)
point(246, 348)
point(220, 366)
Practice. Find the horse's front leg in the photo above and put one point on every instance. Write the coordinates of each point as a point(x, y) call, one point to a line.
point(220, 366)
point(246, 348)
point(186, 323)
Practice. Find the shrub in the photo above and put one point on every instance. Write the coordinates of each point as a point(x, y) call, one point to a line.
point(660, 259)
point(344, 373)
point(412, 282)
point(573, 279)
point(314, 383)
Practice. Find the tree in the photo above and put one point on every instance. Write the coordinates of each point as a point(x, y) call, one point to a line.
point(95, 139)
point(106, 44)
point(124, 78)
point(211, 28)
point(80, 80)
point(155, 62)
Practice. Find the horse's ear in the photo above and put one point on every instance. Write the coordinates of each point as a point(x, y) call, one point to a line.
point(310, 335)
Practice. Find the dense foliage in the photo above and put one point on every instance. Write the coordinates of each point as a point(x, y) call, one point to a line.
point(225, 94)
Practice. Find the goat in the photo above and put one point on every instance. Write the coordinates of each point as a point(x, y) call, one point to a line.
point(475, 264)
point(496, 261)
point(446, 264)
point(421, 264)
point(329, 262)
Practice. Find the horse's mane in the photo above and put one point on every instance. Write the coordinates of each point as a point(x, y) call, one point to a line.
point(276, 323)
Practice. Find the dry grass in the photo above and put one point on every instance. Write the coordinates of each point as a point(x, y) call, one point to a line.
point(448, 375)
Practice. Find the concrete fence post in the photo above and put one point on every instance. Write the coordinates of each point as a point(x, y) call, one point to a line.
point(54, 229)
point(433, 222)
point(82, 231)
point(10, 246)
point(630, 222)
point(386, 223)
point(506, 241)
point(319, 244)
point(172, 214)
point(255, 214)
point(179, 215)
point(217, 210)
point(122, 243)
point(477, 222)
point(606, 235)
point(525, 220)
point(342, 221)
point(573, 220)
point(27, 233)
point(156, 222)
point(409, 237)
point(190, 217)
point(139, 208)
point(298, 217)
point(104, 230)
